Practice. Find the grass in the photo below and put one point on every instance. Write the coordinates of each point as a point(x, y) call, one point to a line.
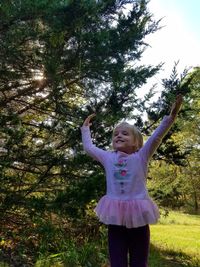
point(176, 241)
point(175, 217)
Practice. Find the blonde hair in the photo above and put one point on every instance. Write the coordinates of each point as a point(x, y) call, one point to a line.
point(136, 133)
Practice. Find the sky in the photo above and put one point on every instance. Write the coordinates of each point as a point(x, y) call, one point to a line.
point(178, 39)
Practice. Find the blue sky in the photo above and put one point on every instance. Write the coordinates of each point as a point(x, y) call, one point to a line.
point(187, 9)
point(179, 39)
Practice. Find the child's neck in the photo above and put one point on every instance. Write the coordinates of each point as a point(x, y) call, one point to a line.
point(127, 150)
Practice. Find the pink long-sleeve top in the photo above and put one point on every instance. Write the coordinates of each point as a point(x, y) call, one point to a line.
point(127, 201)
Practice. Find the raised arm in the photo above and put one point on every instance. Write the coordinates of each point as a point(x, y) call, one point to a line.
point(155, 139)
point(95, 152)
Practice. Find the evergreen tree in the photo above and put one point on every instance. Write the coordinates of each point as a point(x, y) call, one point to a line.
point(172, 86)
point(174, 178)
point(61, 60)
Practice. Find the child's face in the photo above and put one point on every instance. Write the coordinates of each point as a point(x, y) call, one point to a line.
point(123, 139)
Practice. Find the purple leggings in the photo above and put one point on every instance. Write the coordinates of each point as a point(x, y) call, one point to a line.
point(123, 241)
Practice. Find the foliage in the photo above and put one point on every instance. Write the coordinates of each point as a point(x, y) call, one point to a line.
point(178, 186)
point(163, 252)
point(172, 86)
point(59, 61)
point(53, 59)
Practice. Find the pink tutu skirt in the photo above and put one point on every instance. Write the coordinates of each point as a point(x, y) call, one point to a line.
point(129, 213)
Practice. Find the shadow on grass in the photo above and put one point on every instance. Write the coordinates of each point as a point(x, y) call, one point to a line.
point(169, 258)
point(159, 257)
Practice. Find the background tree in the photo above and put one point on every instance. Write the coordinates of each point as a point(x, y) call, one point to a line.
point(59, 61)
point(178, 185)
point(190, 139)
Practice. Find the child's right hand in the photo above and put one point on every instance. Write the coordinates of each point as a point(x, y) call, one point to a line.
point(87, 120)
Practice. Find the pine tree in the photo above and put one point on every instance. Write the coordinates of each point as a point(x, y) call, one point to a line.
point(61, 60)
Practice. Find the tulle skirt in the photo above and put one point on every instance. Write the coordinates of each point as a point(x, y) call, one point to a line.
point(129, 213)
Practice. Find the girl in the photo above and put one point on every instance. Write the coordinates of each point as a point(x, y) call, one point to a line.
point(127, 208)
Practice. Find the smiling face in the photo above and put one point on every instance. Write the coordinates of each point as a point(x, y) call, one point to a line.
point(123, 139)
point(127, 138)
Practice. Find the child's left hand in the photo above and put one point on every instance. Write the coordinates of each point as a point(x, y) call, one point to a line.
point(176, 106)
point(88, 119)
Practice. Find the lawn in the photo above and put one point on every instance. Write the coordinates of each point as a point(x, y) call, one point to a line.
point(175, 241)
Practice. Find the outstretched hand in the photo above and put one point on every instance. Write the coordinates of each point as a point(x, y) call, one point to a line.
point(88, 119)
point(176, 106)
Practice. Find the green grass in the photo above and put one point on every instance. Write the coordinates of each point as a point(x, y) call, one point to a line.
point(176, 241)
point(175, 217)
